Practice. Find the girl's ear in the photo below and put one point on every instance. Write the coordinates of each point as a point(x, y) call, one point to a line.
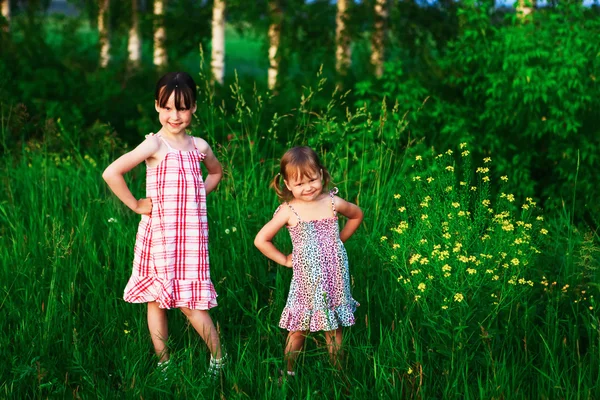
point(287, 185)
point(156, 107)
point(194, 108)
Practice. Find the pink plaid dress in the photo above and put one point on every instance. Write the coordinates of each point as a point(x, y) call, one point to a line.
point(170, 264)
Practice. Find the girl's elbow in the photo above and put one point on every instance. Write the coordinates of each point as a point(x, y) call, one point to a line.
point(106, 174)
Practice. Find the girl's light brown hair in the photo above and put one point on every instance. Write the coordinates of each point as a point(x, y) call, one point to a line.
point(302, 161)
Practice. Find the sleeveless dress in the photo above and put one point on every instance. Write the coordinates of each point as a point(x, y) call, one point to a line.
point(171, 264)
point(319, 298)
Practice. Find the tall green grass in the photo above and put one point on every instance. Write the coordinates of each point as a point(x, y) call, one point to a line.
point(66, 246)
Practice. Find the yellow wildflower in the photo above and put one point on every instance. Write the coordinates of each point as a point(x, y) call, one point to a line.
point(487, 160)
point(422, 287)
point(504, 178)
point(458, 297)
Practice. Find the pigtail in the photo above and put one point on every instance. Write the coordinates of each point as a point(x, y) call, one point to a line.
point(276, 184)
point(326, 177)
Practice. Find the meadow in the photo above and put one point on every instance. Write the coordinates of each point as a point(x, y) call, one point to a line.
point(466, 290)
point(476, 265)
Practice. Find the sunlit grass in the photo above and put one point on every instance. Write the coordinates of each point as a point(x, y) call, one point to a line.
point(66, 245)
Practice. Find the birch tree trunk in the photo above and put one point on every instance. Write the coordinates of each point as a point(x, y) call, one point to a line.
point(103, 32)
point(217, 62)
point(134, 41)
point(524, 8)
point(378, 37)
point(160, 35)
point(274, 40)
point(6, 14)
point(342, 39)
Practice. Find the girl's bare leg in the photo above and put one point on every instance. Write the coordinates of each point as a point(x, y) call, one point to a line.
point(203, 324)
point(159, 330)
point(293, 345)
point(334, 345)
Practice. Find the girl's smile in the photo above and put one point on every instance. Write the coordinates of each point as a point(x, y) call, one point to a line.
point(305, 187)
point(173, 119)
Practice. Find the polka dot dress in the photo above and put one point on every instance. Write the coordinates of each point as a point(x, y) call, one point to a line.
point(319, 298)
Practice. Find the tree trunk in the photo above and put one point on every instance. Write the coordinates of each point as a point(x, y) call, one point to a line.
point(274, 40)
point(217, 62)
point(6, 14)
point(160, 35)
point(104, 32)
point(378, 37)
point(134, 42)
point(524, 8)
point(342, 39)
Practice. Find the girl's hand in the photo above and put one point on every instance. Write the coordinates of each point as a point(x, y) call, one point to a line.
point(144, 206)
point(288, 261)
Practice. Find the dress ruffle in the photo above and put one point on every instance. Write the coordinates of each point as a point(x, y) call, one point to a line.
point(304, 319)
point(171, 293)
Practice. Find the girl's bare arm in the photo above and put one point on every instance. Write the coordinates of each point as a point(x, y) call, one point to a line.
point(113, 174)
point(350, 211)
point(264, 238)
point(212, 164)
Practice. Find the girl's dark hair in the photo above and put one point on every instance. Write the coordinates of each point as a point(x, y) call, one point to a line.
point(182, 84)
point(303, 161)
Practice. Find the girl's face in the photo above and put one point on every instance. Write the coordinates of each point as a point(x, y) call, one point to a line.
point(174, 121)
point(305, 187)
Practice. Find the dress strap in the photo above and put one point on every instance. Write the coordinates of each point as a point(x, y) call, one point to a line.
point(332, 193)
point(294, 211)
point(165, 142)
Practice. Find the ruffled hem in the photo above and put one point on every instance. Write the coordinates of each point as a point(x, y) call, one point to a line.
point(318, 320)
point(192, 294)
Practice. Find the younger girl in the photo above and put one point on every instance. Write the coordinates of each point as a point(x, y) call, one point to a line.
point(171, 265)
point(319, 298)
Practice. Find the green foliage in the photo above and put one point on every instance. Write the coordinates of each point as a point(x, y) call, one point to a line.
point(530, 98)
point(465, 261)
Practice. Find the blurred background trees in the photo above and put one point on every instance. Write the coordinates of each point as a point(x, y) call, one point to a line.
point(519, 81)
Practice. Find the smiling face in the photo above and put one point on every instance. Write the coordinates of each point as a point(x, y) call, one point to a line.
point(174, 120)
point(305, 185)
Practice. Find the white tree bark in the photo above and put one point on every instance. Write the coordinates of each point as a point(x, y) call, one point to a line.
point(217, 62)
point(134, 41)
point(378, 37)
point(160, 35)
point(524, 8)
point(342, 39)
point(6, 14)
point(103, 32)
point(274, 41)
